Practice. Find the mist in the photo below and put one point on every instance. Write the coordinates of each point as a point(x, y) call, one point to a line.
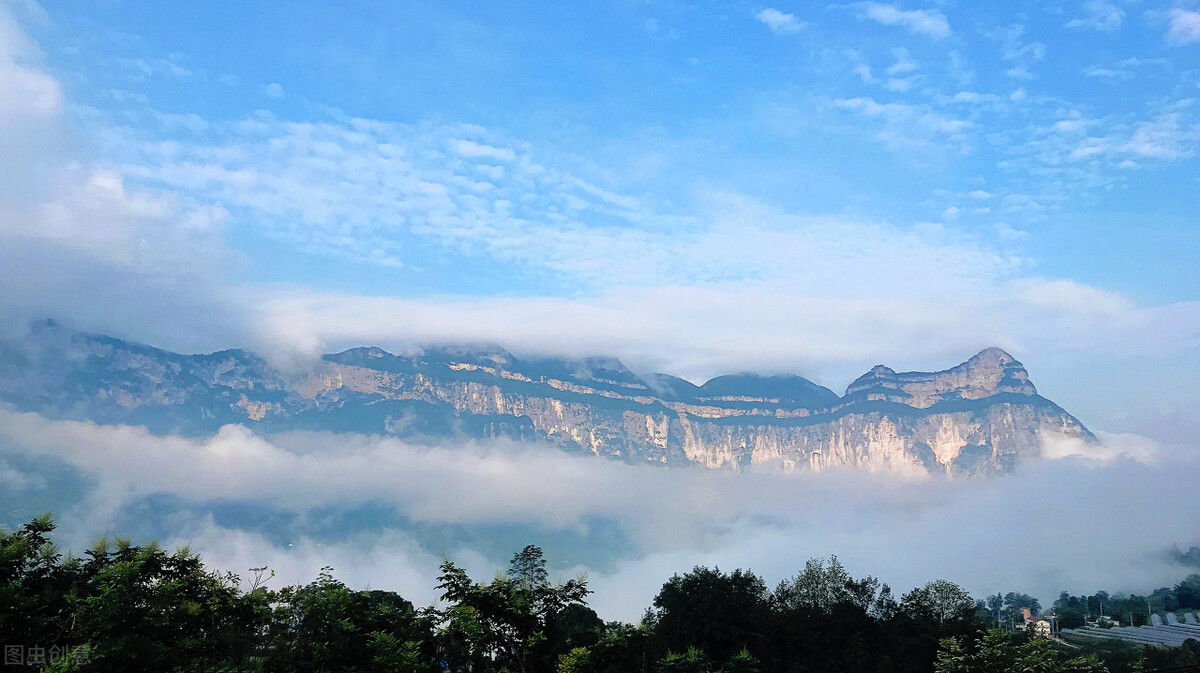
point(1083, 519)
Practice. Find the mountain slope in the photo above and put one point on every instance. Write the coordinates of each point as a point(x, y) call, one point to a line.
point(982, 416)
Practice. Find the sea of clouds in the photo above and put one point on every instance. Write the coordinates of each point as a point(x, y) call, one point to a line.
point(1085, 518)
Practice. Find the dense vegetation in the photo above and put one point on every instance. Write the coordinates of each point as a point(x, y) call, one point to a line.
point(122, 607)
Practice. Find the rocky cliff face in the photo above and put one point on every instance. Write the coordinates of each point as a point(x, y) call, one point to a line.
point(982, 416)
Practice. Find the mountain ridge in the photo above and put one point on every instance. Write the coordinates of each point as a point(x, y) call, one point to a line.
point(981, 416)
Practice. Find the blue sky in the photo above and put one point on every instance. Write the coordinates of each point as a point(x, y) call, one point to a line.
point(691, 186)
point(829, 111)
point(696, 188)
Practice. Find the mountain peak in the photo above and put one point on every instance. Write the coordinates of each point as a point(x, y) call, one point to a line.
point(791, 390)
point(991, 355)
point(989, 372)
point(976, 417)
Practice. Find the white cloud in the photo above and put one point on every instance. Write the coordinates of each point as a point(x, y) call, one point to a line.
point(1113, 447)
point(1072, 298)
point(1106, 73)
point(273, 90)
point(703, 331)
point(1019, 72)
point(958, 69)
point(1091, 153)
point(1022, 55)
point(160, 67)
point(766, 521)
point(1099, 15)
point(905, 126)
point(707, 294)
point(26, 91)
point(14, 481)
point(1184, 26)
point(1074, 123)
point(360, 189)
point(904, 62)
point(384, 559)
point(973, 97)
point(779, 22)
point(1168, 136)
point(474, 150)
point(931, 23)
point(1009, 233)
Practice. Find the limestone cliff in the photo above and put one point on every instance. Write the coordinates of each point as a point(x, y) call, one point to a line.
point(982, 416)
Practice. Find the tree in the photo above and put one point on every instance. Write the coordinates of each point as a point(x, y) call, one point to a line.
point(742, 662)
point(995, 604)
point(885, 605)
point(316, 628)
point(144, 609)
point(528, 567)
point(391, 655)
point(576, 660)
point(463, 641)
point(824, 585)
point(35, 583)
point(995, 651)
point(1071, 611)
point(621, 648)
point(940, 601)
point(690, 661)
point(1187, 592)
point(513, 612)
point(719, 613)
point(326, 626)
point(1014, 602)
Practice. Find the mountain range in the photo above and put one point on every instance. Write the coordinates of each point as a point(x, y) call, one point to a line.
point(980, 417)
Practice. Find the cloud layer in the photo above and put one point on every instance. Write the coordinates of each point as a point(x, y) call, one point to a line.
point(928, 22)
point(1112, 503)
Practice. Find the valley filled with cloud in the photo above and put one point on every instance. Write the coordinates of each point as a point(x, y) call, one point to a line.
point(366, 505)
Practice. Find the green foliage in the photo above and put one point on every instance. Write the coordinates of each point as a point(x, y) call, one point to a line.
point(996, 651)
point(1187, 593)
point(690, 661)
point(507, 620)
point(391, 655)
point(621, 648)
point(939, 601)
point(148, 609)
point(824, 585)
point(742, 662)
point(575, 660)
point(720, 613)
